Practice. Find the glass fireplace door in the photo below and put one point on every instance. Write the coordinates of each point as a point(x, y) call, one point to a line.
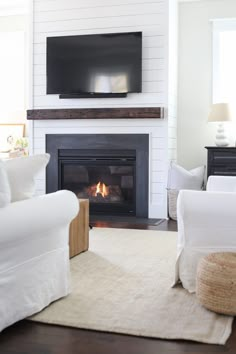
point(108, 183)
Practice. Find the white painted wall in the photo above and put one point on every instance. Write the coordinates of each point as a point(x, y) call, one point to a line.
point(13, 7)
point(11, 113)
point(13, 23)
point(195, 78)
point(73, 17)
point(172, 79)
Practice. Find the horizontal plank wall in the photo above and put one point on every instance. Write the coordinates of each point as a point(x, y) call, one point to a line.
point(74, 17)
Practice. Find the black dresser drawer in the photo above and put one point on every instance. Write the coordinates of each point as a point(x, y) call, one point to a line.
point(223, 157)
point(221, 161)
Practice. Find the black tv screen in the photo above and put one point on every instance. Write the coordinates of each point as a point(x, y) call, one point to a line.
point(101, 63)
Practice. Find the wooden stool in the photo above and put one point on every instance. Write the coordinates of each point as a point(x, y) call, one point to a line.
point(79, 230)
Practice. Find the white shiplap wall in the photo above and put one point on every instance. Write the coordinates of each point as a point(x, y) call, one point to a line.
point(74, 17)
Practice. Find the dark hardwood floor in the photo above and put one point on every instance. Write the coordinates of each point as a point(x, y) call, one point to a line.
point(27, 337)
point(164, 225)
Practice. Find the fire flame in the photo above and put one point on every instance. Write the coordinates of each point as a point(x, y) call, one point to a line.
point(101, 189)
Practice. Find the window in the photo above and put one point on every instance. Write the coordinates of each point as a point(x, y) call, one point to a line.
point(12, 72)
point(224, 61)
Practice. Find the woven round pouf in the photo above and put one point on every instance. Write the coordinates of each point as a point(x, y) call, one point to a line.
point(216, 282)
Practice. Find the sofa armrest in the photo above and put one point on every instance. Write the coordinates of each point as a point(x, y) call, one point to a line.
point(206, 219)
point(36, 216)
point(221, 184)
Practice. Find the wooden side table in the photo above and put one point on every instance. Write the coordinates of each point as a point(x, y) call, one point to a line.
point(79, 230)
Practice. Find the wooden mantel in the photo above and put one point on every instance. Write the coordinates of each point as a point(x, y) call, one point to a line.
point(97, 113)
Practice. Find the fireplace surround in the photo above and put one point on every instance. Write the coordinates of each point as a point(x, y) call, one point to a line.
point(111, 170)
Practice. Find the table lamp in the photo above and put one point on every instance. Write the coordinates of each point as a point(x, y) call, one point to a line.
point(220, 113)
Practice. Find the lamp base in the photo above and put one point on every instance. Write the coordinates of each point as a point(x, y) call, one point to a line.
point(221, 136)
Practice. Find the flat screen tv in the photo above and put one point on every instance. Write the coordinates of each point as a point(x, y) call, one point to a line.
point(98, 64)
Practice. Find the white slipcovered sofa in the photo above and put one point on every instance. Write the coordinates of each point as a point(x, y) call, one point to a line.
point(34, 255)
point(206, 224)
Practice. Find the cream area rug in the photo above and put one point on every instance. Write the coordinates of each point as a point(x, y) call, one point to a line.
point(123, 284)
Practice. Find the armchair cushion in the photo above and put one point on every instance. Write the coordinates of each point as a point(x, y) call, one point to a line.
point(5, 192)
point(221, 184)
point(21, 174)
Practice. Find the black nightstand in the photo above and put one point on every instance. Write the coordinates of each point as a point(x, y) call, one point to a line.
point(221, 161)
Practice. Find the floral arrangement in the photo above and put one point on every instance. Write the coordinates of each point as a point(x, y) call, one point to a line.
point(22, 145)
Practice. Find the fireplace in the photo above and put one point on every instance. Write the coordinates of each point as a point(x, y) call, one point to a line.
point(106, 178)
point(111, 170)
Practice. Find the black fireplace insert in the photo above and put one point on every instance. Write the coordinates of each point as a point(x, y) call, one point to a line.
point(111, 170)
point(106, 178)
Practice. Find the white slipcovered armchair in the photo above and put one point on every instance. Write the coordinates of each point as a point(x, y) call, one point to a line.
point(206, 224)
point(34, 257)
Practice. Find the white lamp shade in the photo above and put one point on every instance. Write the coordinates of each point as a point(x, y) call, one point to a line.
point(220, 112)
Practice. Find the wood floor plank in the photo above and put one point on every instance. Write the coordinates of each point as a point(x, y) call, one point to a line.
point(34, 338)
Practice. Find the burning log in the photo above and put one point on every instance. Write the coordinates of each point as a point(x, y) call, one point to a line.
point(100, 193)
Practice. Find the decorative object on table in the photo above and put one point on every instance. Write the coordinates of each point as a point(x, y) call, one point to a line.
point(220, 113)
point(4, 155)
point(9, 134)
point(21, 145)
point(180, 178)
point(216, 282)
